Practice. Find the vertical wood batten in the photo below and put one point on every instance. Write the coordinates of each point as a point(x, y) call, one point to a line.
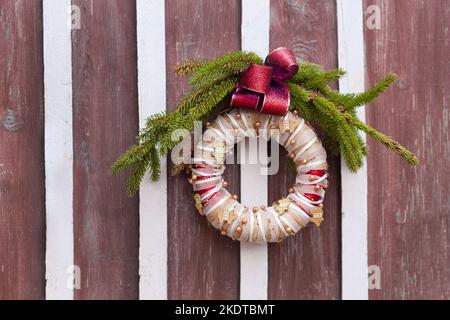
point(254, 264)
point(409, 225)
point(22, 186)
point(354, 185)
point(58, 148)
point(307, 266)
point(202, 263)
point(153, 196)
point(105, 123)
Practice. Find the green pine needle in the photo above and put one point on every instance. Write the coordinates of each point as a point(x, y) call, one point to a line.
point(384, 139)
point(188, 67)
point(213, 81)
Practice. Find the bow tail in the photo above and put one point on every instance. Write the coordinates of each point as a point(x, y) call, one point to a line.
point(276, 100)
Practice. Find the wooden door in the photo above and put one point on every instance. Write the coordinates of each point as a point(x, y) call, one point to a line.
point(79, 77)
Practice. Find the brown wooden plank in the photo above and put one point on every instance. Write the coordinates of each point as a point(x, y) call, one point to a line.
point(307, 266)
point(22, 187)
point(202, 264)
point(409, 225)
point(105, 119)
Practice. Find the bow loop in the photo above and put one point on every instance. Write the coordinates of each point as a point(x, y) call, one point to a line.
point(283, 62)
point(256, 78)
point(261, 87)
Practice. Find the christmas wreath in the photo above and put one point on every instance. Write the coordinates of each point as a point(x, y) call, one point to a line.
point(274, 99)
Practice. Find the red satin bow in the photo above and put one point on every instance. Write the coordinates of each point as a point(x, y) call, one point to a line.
point(261, 87)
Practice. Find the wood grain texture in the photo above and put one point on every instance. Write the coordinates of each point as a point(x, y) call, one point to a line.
point(202, 264)
point(22, 198)
point(409, 225)
point(308, 265)
point(106, 221)
point(58, 149)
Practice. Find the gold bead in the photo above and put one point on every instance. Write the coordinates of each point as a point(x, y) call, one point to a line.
point(238, 115)
point(303, 162)
point(312, 178)
point(194, 177)
point(244, 221)
point(235, 131)
point(235, 197)
point(255, 209)
point(293, 142)
point(320, 205)
point(225, 184)
point(190, 181)
point(291, 190)
point(289, 230)
point(295, 112)
point(317, 187)
point(292, 155)
point(223, 232)
point(208, 124)
point(258, 124)
point(238, 229)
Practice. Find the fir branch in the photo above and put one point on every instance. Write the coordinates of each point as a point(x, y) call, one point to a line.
point(314, 107)
point(313, 77)
point(334, 75)
point(347, 138)
point(373, 93)
point(198, 94)
point(384, 139)
point(299, 101)
point(229, 64)
point(188, 67)
point(128, 158)
point(352, 100)
point(307, 72)
point(205, 105)
point(137, 174)
point(212, 81)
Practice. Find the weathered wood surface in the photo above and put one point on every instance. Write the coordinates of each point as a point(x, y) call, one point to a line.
point(202, 263)
point(409, 222)
point(106, 221)
point(408, 207)
point(22, 198)
point(307, 266)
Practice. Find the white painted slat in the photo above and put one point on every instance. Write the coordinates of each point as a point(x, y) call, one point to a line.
point(153, 196)
point(354, 186)
point(254, 189)
point(58, 148)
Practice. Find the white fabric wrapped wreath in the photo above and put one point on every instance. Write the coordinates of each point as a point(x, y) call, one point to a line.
point(285, 217)
point(273, 86)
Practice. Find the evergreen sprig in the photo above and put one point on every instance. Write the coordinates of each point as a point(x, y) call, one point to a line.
point(212, 81)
